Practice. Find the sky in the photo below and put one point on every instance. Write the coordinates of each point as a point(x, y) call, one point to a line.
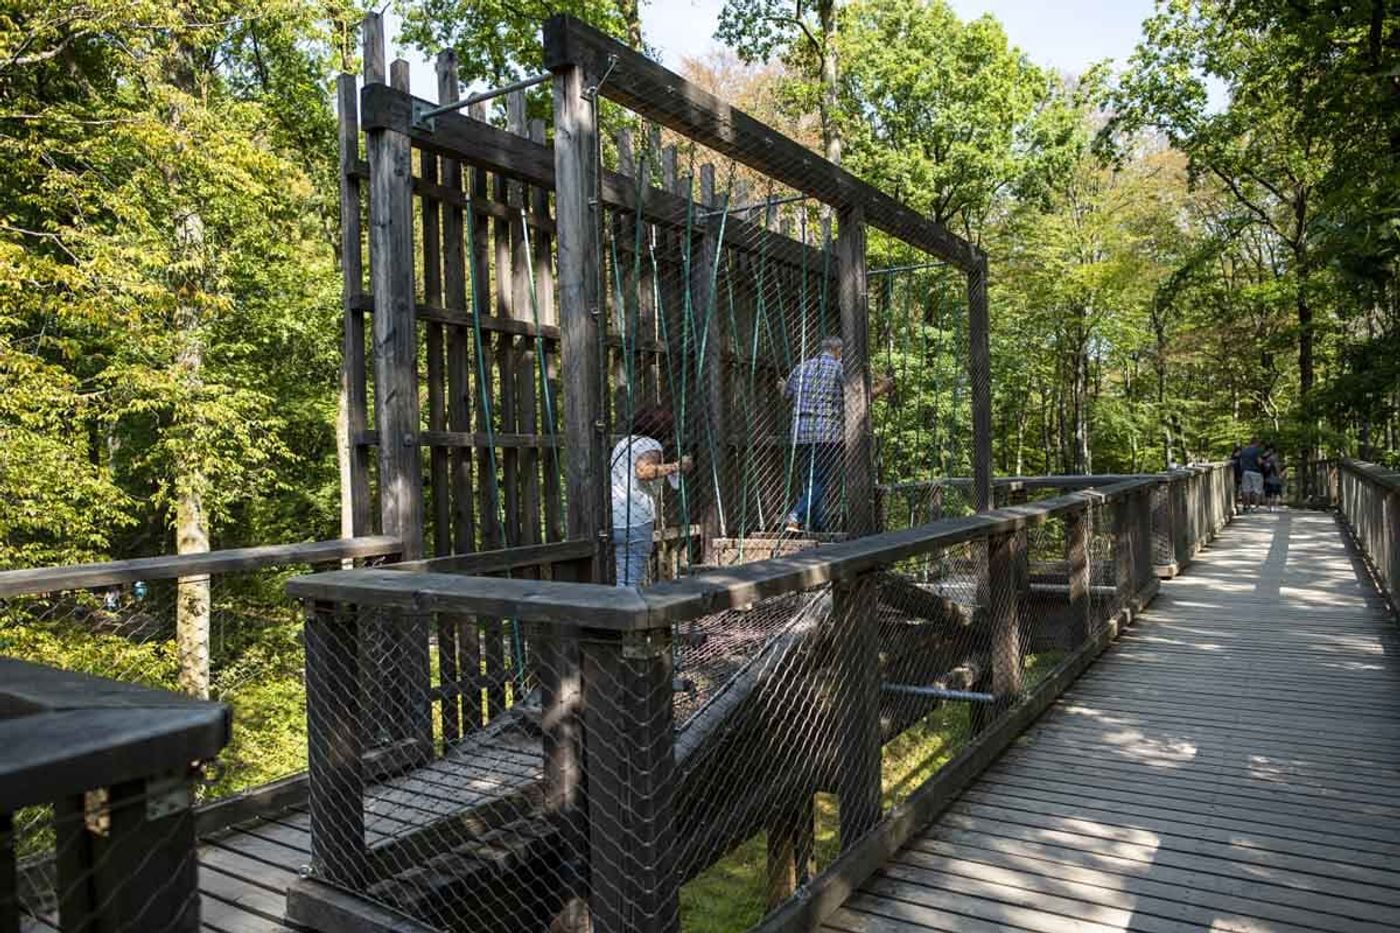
point(1068, 35)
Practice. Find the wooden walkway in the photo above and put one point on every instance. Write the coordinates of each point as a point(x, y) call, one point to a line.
point(1232, 763)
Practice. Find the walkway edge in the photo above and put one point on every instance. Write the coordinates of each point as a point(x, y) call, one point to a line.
point(828, 891)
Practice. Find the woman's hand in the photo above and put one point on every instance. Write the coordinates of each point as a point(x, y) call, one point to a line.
point(687, 464)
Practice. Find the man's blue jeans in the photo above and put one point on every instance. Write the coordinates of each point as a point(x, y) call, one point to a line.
point(631, 550)
point(815, 466)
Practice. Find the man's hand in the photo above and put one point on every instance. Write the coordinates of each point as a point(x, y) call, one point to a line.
point(687, 463)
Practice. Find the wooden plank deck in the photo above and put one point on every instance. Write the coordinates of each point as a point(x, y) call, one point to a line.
point(1232, 763)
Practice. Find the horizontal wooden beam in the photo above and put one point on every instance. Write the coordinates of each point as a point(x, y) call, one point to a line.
point(583, 605)
point(1373, 473)
point(169, 567)
point(472, 439)
point(662, 96)
point(620, 609)
point(482, 145)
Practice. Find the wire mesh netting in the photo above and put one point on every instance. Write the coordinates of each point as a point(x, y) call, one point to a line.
point(727, 757)
point(244, 648)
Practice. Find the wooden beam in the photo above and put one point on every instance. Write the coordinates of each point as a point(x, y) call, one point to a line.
point(483, 562)
point(664, 97)
point(169, 567)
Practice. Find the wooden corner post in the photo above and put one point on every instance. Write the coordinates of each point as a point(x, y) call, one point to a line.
point(395, 324)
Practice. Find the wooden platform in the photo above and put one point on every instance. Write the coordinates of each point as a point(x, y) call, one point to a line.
point(1232, 763)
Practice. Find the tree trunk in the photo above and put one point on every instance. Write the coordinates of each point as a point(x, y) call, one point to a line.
point(191, 523)
point(831, 132)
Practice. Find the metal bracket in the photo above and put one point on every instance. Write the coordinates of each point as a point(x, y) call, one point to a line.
point(167, 795)
point(646, 646)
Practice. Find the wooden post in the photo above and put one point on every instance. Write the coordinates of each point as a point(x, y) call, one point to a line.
point(395, 335)
point(1077, 555)
point(1181, 525)
point(354, 393)
point(1004, 555)
point(575, 179)
point(138, 871)
point(791, 840)
point(1124, 577)
point(859, 450)
point(980, 375)
point(335, 745)
point(631, 781)
point(857, 697)
point(576, 226)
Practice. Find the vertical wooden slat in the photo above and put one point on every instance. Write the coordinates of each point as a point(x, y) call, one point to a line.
point(542, 246)
point(526, 365)
point(457, 639)
point(354, 391)
point(1077, 556)
point(505, 354)
point(436, 376)
point(709, 421)
point(1004, 559)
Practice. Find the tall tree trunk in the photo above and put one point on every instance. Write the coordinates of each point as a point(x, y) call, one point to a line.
point(831, 132)
point(191, 522)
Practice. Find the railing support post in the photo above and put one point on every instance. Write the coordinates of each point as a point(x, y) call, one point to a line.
point(630, 762)
point(857, 692)
point(139, 870)
point(1005, 556)
point(1077, 556)
point(791, 839)
point(1181, 519)
point(335, 744)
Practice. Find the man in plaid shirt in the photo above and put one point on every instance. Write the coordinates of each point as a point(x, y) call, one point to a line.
point(817, 390)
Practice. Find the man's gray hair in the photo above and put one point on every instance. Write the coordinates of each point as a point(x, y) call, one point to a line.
point(831, 344)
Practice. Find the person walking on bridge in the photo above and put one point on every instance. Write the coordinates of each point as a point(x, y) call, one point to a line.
point(817, 390)
point(1252, 474)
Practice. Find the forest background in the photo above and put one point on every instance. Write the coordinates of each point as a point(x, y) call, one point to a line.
point(1168, 276)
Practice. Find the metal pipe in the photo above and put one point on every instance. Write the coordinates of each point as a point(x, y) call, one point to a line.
point(425, 117)
point(743, 208)
point(911, 268)
point(939, 693)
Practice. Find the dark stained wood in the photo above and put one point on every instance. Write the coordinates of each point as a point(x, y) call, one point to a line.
point(172, 566)
point(353, 373)
point(395, 337)
point(856, 719)
point(979, 369)
point(1077, 556)
point(542, 252)
point(631, 782)
point(664, 97)
point(335, 744)
point(852, 299)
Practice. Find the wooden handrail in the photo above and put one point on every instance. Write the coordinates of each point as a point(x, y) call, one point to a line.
point(592, 606)
point(1374, 473)
point(172, 566)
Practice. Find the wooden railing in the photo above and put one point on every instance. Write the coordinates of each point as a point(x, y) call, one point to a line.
point(1368, 499)
point(47, 595)
point(614, 766)
point(117, 764)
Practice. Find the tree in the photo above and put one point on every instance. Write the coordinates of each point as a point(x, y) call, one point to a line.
point(801, 32)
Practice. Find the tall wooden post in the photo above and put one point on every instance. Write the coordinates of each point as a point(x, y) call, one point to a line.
point(354, 395)
point(580, 306)
point(395, 332)
point(980, 374)
point(859, 449)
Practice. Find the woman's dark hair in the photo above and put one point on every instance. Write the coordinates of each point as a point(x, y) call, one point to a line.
point(653, 421)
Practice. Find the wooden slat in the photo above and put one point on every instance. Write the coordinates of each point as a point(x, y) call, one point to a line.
point(171, 566)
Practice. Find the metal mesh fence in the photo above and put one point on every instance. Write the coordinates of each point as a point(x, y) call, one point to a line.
point(245, 650)
point(646, 775)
